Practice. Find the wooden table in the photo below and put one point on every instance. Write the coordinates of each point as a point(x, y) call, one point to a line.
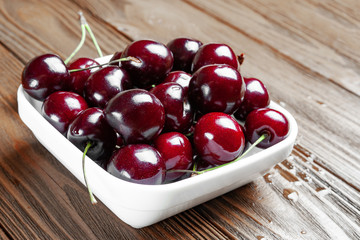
point(306, 52)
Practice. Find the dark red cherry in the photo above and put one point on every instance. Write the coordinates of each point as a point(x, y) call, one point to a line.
point(138, 163)
point(178, 111)
point(77, 79)
point(116, 56)
point(256, 96)
point(176, 151)
point(184, 50)
point(136, 114)
point(214, 53)
point(90, 126)
point(61, 108)
point(216, 88)
point(119, 140)
point(156, 61)
point(104, 84)
point(218, 138)
point(44, 75)
point(266, 121)
point(181, 78)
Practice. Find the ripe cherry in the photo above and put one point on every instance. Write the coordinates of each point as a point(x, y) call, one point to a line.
point(266, 121)
point(77, 79)
point(218, 138)
point(91, 127)
point(176, 151)
point(178, 111)
point(216, 88)
point(184, 50)
point(44, 75)
point(181, 78)
point(214, 53)
point(136, 114)
point(256, 96)
point(104, 84)
point(61, 108)
point(155, 62)
point(138, 163)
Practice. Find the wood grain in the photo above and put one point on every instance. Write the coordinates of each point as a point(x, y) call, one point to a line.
point(307, 54)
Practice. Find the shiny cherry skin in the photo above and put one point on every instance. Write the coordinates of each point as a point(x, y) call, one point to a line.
point(77, 79)
point(136, 114)
point(61, 108)
point(178, 111)
point(216, 88)
point(266, 121)
point(256, 96)
point(181, 78)
point(90, 126)
point(184, 50)
point(176, 151)
point(156, 61)
point(116, 56)
point(214, 53)
point(104, 84)
point(218, 138)
point(138, 163)
point(44, 75)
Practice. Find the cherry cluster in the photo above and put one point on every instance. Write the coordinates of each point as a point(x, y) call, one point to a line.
point(156, 113)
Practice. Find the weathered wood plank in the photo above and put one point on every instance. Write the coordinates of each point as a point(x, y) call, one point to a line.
point(23, 31)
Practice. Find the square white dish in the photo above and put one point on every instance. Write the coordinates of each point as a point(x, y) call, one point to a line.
point(142, 205)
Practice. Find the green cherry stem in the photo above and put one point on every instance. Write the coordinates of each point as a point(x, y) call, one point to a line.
point(108, 63)
point(87, 26)
point(92, 198)
point(81, 43)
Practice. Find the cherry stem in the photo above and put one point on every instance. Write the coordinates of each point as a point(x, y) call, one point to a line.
point(81, 43)
point(87, 26)
point(92, 198)
point(108, 63)
point(241, 58)
point(260, 139)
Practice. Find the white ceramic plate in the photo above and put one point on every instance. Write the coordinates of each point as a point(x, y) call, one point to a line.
point(142, 205)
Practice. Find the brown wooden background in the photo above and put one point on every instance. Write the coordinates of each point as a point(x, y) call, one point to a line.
point(306, 52)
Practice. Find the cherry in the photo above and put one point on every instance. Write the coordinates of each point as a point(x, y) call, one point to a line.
point(90, 127)
point(155, 62)
point(77, 79)
point(44, 75)
point(256, 96)
point(179, 77)
point(116, 56)
point(216, 88)
point(104, 84)
point(214, 53)
point(136, 114)
point(218, 138)
point(184, 50)
point(176, 151)
point(119, 140)
point(178, 111)
point(138, 163)
point(269, 122)
point(61, 108)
